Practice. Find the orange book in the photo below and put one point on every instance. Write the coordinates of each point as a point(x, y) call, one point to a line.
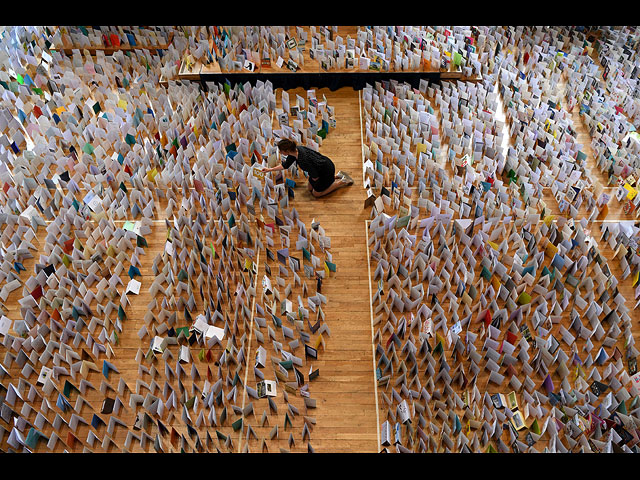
point(603, 212)
point(71, 440)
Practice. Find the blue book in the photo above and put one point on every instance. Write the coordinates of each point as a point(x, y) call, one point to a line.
point(558, 261)
point(106, 367)
point(133, 271)
point(32, 438)
point(62, 403)
point(96, 421)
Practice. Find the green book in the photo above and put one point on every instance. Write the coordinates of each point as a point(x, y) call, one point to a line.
point(535, 428)
point(87, 148)
point(141, 242)
point(237, 425)
point(486, 274)
point(403, 221)
point(184, 330)
point(68, 387)
point(524, 298)
point(288, 364)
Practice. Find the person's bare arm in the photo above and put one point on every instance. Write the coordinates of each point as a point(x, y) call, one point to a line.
point(274, 169)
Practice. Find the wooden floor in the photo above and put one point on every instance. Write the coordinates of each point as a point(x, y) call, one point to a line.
point(345, 416)
point(346, 412)
point(349, 410)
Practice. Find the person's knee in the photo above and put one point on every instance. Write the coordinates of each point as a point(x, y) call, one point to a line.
point(309, 187)
point(316, 194)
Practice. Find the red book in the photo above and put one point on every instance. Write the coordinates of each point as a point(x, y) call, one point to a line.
point(511, 371)
point(37, 111)
point(487, 318)
point(68, 246)
point(115, 40)
point(37, 293)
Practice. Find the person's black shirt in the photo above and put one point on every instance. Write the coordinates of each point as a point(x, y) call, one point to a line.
point(315, 164)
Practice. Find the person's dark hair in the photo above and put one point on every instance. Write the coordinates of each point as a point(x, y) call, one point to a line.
point(286, 145)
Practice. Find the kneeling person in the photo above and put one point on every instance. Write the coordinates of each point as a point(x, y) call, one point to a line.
point(321, 170)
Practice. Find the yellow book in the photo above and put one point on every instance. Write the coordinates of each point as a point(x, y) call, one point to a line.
point(631, 192)
point(551, 249)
